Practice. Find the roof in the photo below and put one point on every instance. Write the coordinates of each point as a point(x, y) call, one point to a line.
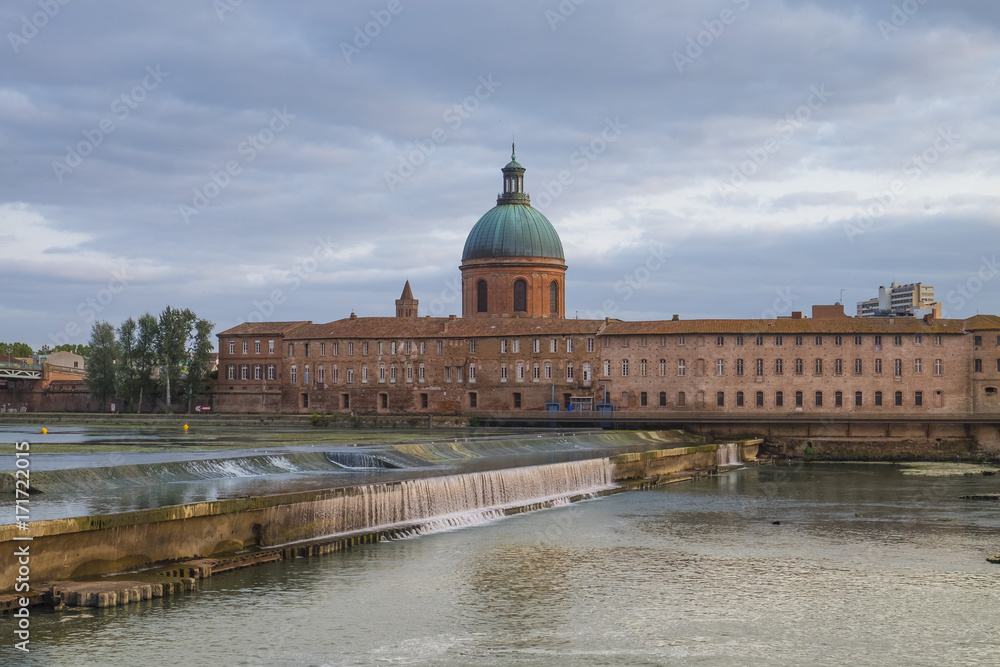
point(513, 230)
point(981, 322)
point(264, 328)
point(444, 327)
point(848, 325)
point(407, 294)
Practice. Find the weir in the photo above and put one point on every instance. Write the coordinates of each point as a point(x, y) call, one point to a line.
point(248, 529)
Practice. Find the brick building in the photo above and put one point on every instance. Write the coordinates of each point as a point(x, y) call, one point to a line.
point(514, 350)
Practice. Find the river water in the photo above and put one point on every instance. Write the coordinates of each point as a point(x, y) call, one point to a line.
point(868, 566)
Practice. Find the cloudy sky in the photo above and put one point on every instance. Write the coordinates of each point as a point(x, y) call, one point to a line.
point(727, 158)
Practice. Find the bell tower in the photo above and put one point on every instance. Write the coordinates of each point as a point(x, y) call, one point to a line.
point(406, 305)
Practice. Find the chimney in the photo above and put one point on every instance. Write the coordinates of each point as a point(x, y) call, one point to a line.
point(675, 318)
point(929, 317)
point(796, 314)
point(353, 316)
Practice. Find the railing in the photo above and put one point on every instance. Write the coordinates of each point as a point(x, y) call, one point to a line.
point(21, 365)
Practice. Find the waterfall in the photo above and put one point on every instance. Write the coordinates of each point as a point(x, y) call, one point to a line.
point(728, 455)
point(435, 503)
point(359, 460)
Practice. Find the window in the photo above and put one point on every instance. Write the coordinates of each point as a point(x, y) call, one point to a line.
point(271, 371)
point(552, 345)
point(347, 400)
point(720, 340)
point(245, 347)
point(472, 372)
point(798, 340)
point(472, 347)
point(680, 367)
point(819, 399)
point(503, 372)
point(291, 349)
point(536, 373)
point(681, 399)
point(336, 349)
point(759, 370)
point(421, 374)
point(918, 398)
point(798, 399)
point(458, 373)
point(517, 399)
point(336, 374)
point(364, 349)
point(473, 399)
point(423, 400)
point(857, 399)
point(520, 372)
point(440, 347)
point(482, 304)
point(759, 340)
point(739, 399)
point(899, 399)
point(553, 298)
point(350, 348)
point(759, 400)
point(231, 372)
point(977, 366)
point(779, 399)
point(720, 399)
point(937, 340)
point(423, 347)
point(878, 342)
point(520, 298)
point(586, 371)
point(878, 398)
point(739, 341)
point(569, 371)
point(938, 367)
point(258, 372)
point(720, 367)
point(857, 340)
point(978, 341)
point(917, 365)
point(779, 367)
point(642, 368)
point(897, 367)
point(503, 347)
point(624, 341)
point(590, 345)
point(838, 366)
point(838, 399)
point(392, 373)
point(857, 367)
point(819, 367)
point(798, 367)
point(536, 346)
point(897, 340)
point(878, 367)
point(392, 348)
point(739, 367)
point(364, 373)
point(680, 341)
point(256, 347)
point(607, 369)
point(320, 374)
point(569, 344)
point(305, 374)
point(517, 346)
point(624, 367)
point(270, 347)
point(819, 340)
point(663, 340)
point(918, 340)
point(779, 341)
point(381, 373)
point(294, 374)
point(305, 351)
point(245, 372)
point(642, 399)
point(838, 341)
point(663, 367)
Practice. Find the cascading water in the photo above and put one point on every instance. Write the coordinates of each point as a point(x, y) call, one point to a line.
point(437, 503)
point(728, 455)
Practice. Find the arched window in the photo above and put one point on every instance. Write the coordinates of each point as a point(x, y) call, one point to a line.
point(553, 298)
point(520, 296)
point(481, 301)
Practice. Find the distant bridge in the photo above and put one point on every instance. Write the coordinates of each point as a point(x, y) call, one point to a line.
point(20, 371)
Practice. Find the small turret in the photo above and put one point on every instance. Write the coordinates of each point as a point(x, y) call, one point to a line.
point(406, 305)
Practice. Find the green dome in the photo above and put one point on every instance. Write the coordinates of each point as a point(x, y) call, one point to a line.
point(513, 230)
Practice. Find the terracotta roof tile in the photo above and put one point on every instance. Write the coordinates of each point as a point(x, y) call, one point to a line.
point(850, 325)
point(263, 328)
point(443, 327)
point(982, 322)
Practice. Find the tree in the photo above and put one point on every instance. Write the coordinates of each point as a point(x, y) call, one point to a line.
point(200, 356)
point(126, 370)
point(101, 365)
point(82, 350)
point(145, 355)
point(15, 350)
point(174, 331)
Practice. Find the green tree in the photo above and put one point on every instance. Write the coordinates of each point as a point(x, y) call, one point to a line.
point(200, 356)
point(16, 350)
point(174, 331)
point(126, 370)
point(145, 354)
point(101, 365)
point(80, 349)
